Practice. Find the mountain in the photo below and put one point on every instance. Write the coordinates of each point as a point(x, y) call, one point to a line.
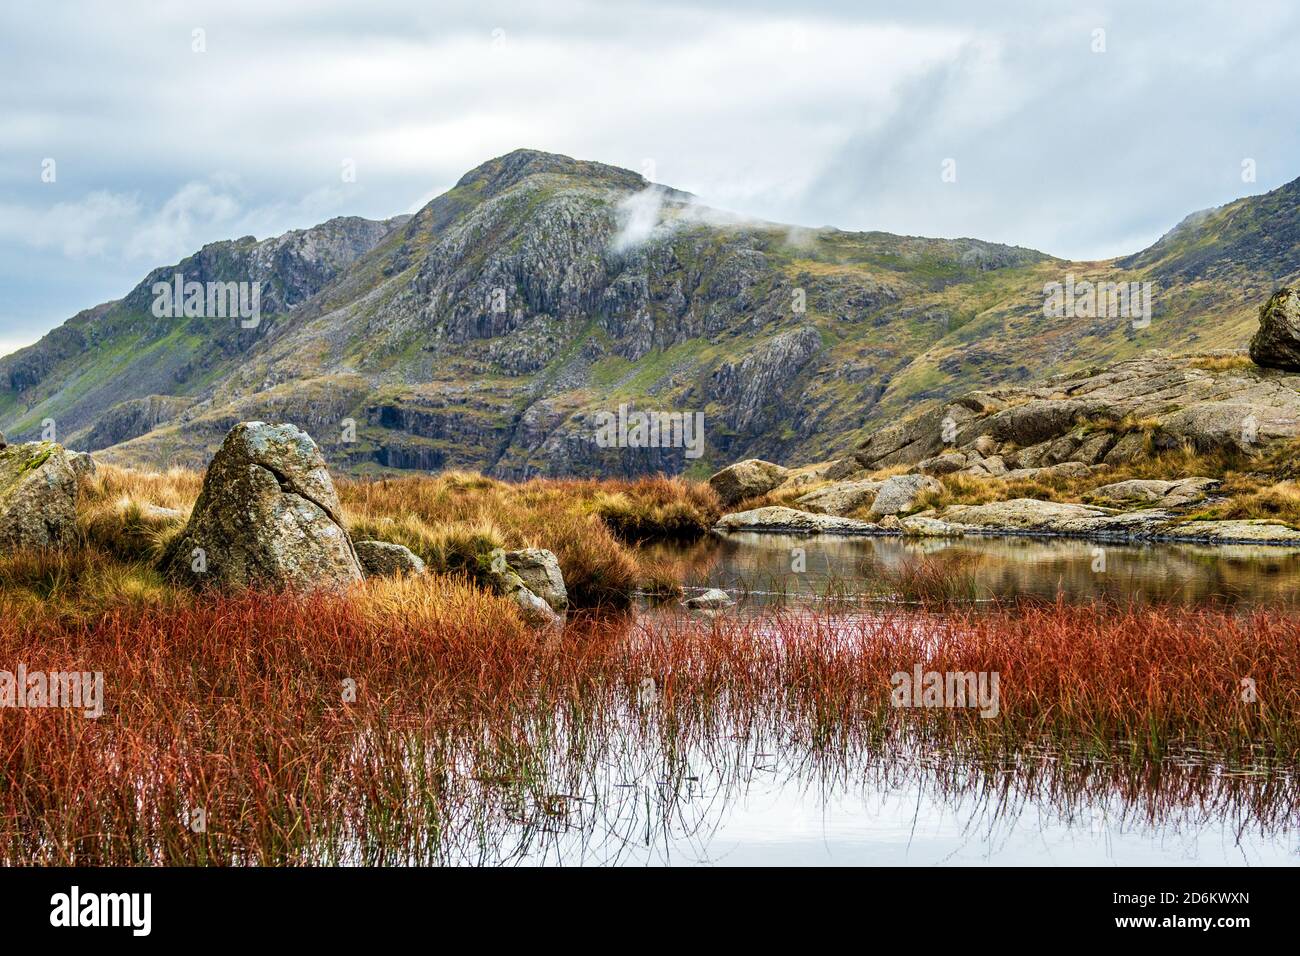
point(491, 329)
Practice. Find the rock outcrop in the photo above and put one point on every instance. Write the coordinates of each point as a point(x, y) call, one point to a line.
point(747, 479)
point(789, 521)
point(842, 498)
point(38, 496)
point(385, 559)
point(1153, 492)
point(1110, 416)
point(1277, 343)
point(267, 517)
point(1027, 516)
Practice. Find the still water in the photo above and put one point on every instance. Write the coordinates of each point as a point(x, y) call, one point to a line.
point(734, 800)
point(763, 568)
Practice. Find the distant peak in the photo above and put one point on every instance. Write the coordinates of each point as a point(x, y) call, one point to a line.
point(497, 175)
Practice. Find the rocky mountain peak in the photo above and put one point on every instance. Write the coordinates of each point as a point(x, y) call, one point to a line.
point(497, 175)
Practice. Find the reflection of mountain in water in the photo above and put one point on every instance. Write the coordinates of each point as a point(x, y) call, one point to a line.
point(768, 565)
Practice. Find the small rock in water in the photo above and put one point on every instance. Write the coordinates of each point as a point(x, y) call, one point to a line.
point(710, 599)
point(540, 571)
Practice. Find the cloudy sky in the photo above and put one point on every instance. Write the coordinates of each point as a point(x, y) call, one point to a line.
point(1082, 129)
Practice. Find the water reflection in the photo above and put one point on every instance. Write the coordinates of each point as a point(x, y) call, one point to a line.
point(740, 801)
point(766, 568)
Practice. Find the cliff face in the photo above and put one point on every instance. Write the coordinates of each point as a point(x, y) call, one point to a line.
point(496, 326)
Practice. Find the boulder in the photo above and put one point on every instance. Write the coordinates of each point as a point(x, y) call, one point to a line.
point(38, 496)
point(711, 599)
point(1277, 342)
point(540, 571)
point(945, 464)
point(747, 479)
point(83, 466)
point(840, 498)
point(1250, 530)
point(504, 579)
point(780, 520)
point(1165, 494)
point(1029, 515)
point(1066, 469)
point(900, 493)
point(534, 610)
point(385, 559)
point(267, 517)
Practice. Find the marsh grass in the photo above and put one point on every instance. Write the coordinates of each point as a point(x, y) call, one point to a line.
point(451, 520)
point(468, 731)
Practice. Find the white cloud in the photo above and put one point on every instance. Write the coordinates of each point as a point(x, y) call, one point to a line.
point(822, 113)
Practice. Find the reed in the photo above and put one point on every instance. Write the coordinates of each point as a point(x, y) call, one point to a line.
point(409, 717)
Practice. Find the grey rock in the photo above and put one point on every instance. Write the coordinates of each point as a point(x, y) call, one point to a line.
point(945, 464)
point(1277, 342)
point(1066, 469)
point(840, 498)
point(1261, 531)
point(1165, 494)
point(539, 569)
point(534, 610)
point(83, 466)
point(267, 517)
point(1081, 417)
point(900, 493)
point(747, 479)
point(711, 599)
point(1031, 516)
point(791, 521)
point(38, 497)
point(506, 580)
point(385, 559)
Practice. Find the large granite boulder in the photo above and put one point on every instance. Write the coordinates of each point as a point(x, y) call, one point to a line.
point(267, 517)
point(1277, 342)
point(38, 496)
point(747, 479)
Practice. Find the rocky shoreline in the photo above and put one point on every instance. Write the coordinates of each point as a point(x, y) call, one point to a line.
point(924, 525)
point(1102, 454)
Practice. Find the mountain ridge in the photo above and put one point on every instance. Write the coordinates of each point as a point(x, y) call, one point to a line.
point(488, 329)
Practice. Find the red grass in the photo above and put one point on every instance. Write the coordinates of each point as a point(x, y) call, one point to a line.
point(234, 705)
